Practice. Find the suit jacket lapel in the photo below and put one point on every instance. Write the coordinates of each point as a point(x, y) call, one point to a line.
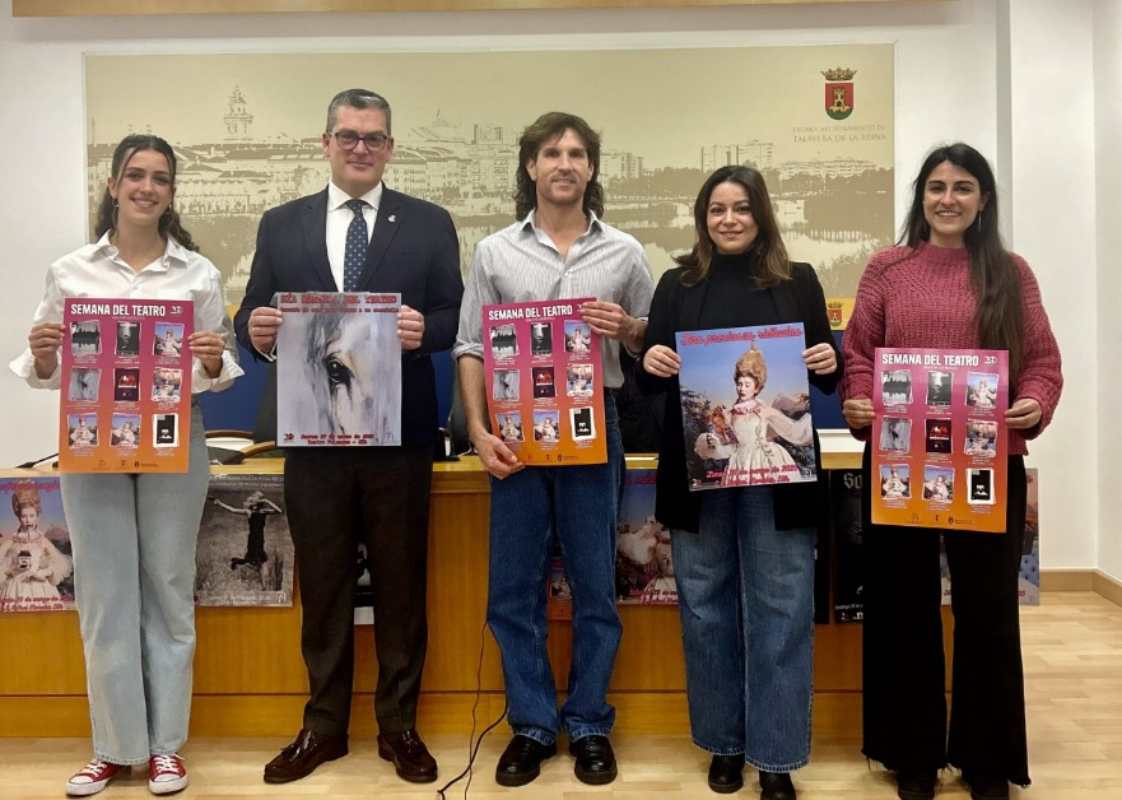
point(783, 295)
point(315, 242)
point(693, 299)
point(386, 225)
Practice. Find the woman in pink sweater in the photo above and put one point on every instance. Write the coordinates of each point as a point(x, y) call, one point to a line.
point(950, 284)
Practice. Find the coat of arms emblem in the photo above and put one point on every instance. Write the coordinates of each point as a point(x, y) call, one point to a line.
point(839, 91)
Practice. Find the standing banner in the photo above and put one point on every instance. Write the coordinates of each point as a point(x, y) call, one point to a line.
point(126, 385)
point(846, 488)
point(545, 382)
point(940, 444)
point(644, 563)
point(36, 573)
point(338, 370)
point(1028, 583)
point(746, 406)
point(1028, 578)
point(245, 554)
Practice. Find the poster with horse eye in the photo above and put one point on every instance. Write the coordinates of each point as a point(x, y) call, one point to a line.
point(338, 370)
point(126, 385)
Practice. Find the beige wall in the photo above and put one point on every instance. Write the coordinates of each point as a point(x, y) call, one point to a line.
point(949, 61)
point(1107, 22)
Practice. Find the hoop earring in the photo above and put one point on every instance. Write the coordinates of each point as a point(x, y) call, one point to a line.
point(978, 222)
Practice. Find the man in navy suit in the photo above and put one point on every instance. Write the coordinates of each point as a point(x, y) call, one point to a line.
point(359, 235)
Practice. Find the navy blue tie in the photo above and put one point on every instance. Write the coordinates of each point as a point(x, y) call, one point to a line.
point(357, 242)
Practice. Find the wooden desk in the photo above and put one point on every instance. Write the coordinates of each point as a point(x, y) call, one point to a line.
point(250, 679)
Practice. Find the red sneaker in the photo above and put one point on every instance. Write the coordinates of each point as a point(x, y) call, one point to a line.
point(166, 774)
point(93, 777)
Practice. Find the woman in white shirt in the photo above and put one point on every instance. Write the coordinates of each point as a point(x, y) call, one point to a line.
point(134, 534)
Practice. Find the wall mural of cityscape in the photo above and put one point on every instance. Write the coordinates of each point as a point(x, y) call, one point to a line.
point(816, 120)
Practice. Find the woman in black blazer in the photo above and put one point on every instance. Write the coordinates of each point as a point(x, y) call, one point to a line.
point(743, 557)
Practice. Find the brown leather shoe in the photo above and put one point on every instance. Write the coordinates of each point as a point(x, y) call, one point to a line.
point(307, 751)
point(409, 755)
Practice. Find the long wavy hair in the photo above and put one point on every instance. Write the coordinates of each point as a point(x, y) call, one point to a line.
point(546, 127)
point(994, 277)
point(170, 224)
point(770, 264)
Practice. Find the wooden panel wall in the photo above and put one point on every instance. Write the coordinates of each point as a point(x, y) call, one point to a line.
point(250, 680)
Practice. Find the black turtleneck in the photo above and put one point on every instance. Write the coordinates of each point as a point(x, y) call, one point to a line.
point(742, 301)
point(730, 298)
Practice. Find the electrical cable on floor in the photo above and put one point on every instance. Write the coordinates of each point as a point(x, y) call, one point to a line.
point(473, 743)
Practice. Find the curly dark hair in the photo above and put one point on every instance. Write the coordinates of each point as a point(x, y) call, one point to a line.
point(170, 224)
point(546, 127)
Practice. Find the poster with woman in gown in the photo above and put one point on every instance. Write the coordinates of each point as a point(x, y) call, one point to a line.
point(746, 406)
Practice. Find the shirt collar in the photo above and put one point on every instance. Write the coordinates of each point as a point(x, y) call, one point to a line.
point(337, 198)
point(174, 252)
point(594, 223)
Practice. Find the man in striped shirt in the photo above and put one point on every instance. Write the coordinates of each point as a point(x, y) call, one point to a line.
point(558, 249)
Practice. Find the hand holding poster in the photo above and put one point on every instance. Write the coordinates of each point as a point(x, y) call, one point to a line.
point(545, 383)
point(126, 382)
point(939, 438)
point(746, 406)
point(338, 369)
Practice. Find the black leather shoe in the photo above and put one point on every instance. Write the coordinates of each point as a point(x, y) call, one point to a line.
point(983, 787)
point(596, 763)
point(299, 759)
point(726, 773)
point(409, 755)
point(916, 785)
point(521, 762)
point(776, 786)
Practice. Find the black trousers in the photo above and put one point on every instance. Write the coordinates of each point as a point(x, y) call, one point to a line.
point(337, 498)
point(905, 709)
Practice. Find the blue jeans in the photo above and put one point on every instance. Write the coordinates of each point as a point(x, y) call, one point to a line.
point(746, 597)
point(134, 584)
point(581, 504)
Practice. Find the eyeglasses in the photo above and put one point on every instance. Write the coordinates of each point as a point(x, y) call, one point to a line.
point(349, 140)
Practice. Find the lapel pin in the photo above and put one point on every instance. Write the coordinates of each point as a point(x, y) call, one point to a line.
point(391, 218)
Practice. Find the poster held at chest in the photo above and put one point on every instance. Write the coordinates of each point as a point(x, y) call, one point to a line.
point(126, 385)
point(338, 370)
point(545, 382)
point(746, 406)
point(939, 438)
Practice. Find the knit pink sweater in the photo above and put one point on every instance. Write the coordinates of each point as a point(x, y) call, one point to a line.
point(923, 298)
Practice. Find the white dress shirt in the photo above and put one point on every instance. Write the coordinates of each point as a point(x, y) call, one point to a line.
point(96, 270)
point(339, 220)
point(520, 263)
